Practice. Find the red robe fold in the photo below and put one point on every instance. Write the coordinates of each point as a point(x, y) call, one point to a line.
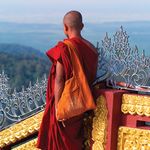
point(52, 134)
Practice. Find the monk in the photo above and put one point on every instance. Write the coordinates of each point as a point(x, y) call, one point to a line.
point(53, 135)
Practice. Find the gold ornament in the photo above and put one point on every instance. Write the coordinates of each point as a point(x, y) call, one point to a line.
point(20, 130)
point(133, 139)
point(136, 104)
point(100, 124)
point(30, 145)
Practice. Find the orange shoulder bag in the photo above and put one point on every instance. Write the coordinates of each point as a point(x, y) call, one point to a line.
point(76, 97)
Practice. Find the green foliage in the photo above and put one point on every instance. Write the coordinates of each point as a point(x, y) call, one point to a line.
point(22, 66)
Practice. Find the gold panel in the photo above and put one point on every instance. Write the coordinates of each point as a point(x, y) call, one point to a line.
point(136, 104)
point(100, 125)
point(133, 139)
point(20, 130)
point(30, 145)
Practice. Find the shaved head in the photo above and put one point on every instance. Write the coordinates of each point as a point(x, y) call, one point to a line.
point(73, 19)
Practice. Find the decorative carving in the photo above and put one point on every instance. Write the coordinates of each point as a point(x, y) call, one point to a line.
point(20, 130)
point(20, 105)
point(136, 104)
point(28, 145)
point(100, 124)
point(133, 139)
point(118, 62)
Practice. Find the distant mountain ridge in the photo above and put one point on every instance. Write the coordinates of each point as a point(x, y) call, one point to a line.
point(19, 49)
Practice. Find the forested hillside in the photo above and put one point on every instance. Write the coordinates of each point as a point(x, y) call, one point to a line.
point(22, 64)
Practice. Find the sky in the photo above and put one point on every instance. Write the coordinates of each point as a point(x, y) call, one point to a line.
point(94, 11)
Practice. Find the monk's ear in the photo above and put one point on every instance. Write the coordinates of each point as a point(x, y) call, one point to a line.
point(82, 26)
point(65, 27)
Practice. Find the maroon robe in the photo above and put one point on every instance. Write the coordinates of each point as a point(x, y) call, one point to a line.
point(52, 134)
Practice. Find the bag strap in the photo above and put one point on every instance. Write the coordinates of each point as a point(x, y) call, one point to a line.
point(74, 57)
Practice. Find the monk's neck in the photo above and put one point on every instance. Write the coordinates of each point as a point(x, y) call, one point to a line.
point(74, 35)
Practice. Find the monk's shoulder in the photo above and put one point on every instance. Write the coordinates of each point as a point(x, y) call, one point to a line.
point(61, 45)
point(91, 46)
point(56, 51)
point(62, 48)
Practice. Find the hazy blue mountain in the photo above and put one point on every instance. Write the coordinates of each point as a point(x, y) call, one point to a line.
point(44, 36)
point(22, 64)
